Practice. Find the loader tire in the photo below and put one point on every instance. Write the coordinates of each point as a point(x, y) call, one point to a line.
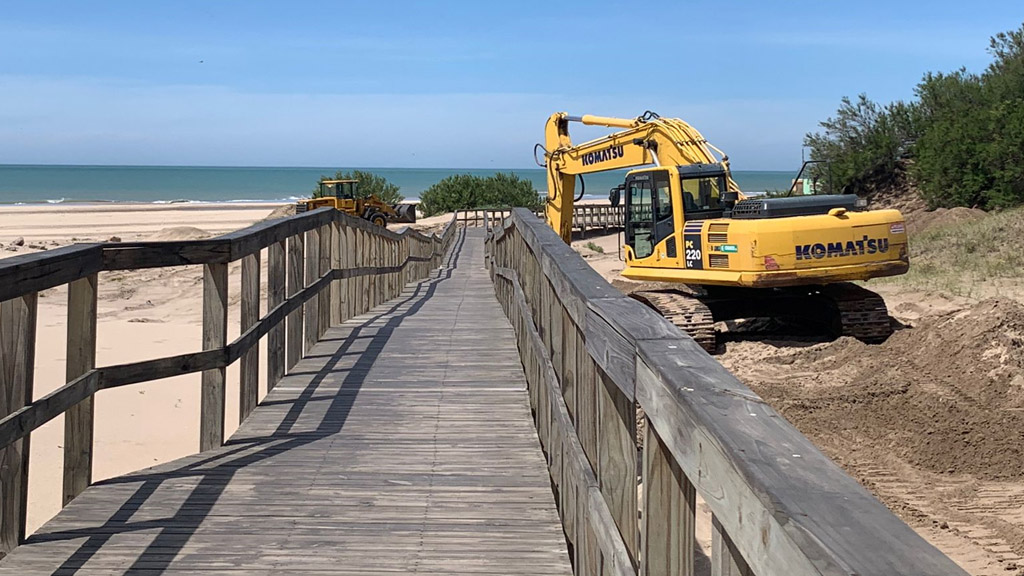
point(378, 219)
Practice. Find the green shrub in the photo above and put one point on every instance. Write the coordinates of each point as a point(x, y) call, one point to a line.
point(369, 184)
point(963, 138)
point(863, 144)
point(465, 191)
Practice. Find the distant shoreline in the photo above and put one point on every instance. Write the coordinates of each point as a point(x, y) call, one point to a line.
point(78, 185)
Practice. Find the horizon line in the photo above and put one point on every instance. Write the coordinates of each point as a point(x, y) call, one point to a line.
point(336, 168)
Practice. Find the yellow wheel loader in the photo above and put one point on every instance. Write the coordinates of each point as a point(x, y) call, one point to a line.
point(341, 195)
point(727, 256)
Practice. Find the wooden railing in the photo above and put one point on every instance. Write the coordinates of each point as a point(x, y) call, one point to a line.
point(323, 268)
point(586, 217)
point(617, 392)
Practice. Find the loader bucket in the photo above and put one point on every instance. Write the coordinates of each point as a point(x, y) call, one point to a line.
point(406, 213)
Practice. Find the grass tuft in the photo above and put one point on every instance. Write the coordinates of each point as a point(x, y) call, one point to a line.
point(966, 258)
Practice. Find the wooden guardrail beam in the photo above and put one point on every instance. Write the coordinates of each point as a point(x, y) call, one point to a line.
point(26, 273)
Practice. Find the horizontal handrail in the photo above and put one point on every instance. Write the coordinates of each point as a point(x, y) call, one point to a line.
point(26, 273)
point(23, 421)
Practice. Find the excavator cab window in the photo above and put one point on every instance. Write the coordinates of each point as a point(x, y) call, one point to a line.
point(639, 215)
point(664, 223)
point(347, 190)
point(701, 196)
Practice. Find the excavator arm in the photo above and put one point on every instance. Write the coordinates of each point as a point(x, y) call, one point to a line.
point(647, 139)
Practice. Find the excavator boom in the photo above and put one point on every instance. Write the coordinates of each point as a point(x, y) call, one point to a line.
point(645, 140)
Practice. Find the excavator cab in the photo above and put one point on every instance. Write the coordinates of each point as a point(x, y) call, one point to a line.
point(656, 198)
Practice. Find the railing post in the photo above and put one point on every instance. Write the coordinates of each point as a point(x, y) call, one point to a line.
point(365, 296)
point(358, 283)
point(311, 309)
point(275, 296)
point(81, 357)
point(249, 367)
point(336, 286)
point(17, 359)
point(293, 343)
point(371, 280)
point(725, 558)
point(617, 458)
point(324, 297)
point(669, 512)
point(215, 335)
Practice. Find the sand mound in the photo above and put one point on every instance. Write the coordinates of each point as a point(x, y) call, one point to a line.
point(941, 217)
point(281, 212)
point(946, 396)
point(178, 233)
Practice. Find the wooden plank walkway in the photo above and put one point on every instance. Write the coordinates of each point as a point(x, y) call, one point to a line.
point(402, 444)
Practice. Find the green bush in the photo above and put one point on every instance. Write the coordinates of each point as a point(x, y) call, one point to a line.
point(963, 138)
point(863, 144)
point(465, 191)
point(369, 184)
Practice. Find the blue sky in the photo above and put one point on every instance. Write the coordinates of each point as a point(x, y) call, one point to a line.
point(450, 84)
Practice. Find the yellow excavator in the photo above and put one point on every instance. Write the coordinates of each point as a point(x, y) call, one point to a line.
point(727, 256)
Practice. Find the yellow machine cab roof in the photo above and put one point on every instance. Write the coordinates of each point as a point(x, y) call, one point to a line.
point(338, 181)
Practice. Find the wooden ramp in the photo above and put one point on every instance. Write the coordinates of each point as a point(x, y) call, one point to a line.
point(402, 444)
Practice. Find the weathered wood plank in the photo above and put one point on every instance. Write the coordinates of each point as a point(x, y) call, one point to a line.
point(296, 275)
point(725, 558)
point(81, 358)
point(27, 273)
point(617, 456)
point(17, 359)
point(215, 336)
point(141, 255)
point(275, 296)
point(669, 512)
point(324, 267)
point(249, 367)
point(337, 291)
point(20, 423)
point(311, 310)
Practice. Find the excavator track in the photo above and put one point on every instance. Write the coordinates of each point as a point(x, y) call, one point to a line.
point(862, 313)
point(841, 309)
point(685, 311)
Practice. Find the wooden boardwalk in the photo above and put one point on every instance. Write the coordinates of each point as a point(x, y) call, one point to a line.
point(402, 444)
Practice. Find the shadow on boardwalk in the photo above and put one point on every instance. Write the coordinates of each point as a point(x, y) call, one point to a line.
point(216, 471)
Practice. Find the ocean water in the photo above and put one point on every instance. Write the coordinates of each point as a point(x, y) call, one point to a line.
point(148, 184)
